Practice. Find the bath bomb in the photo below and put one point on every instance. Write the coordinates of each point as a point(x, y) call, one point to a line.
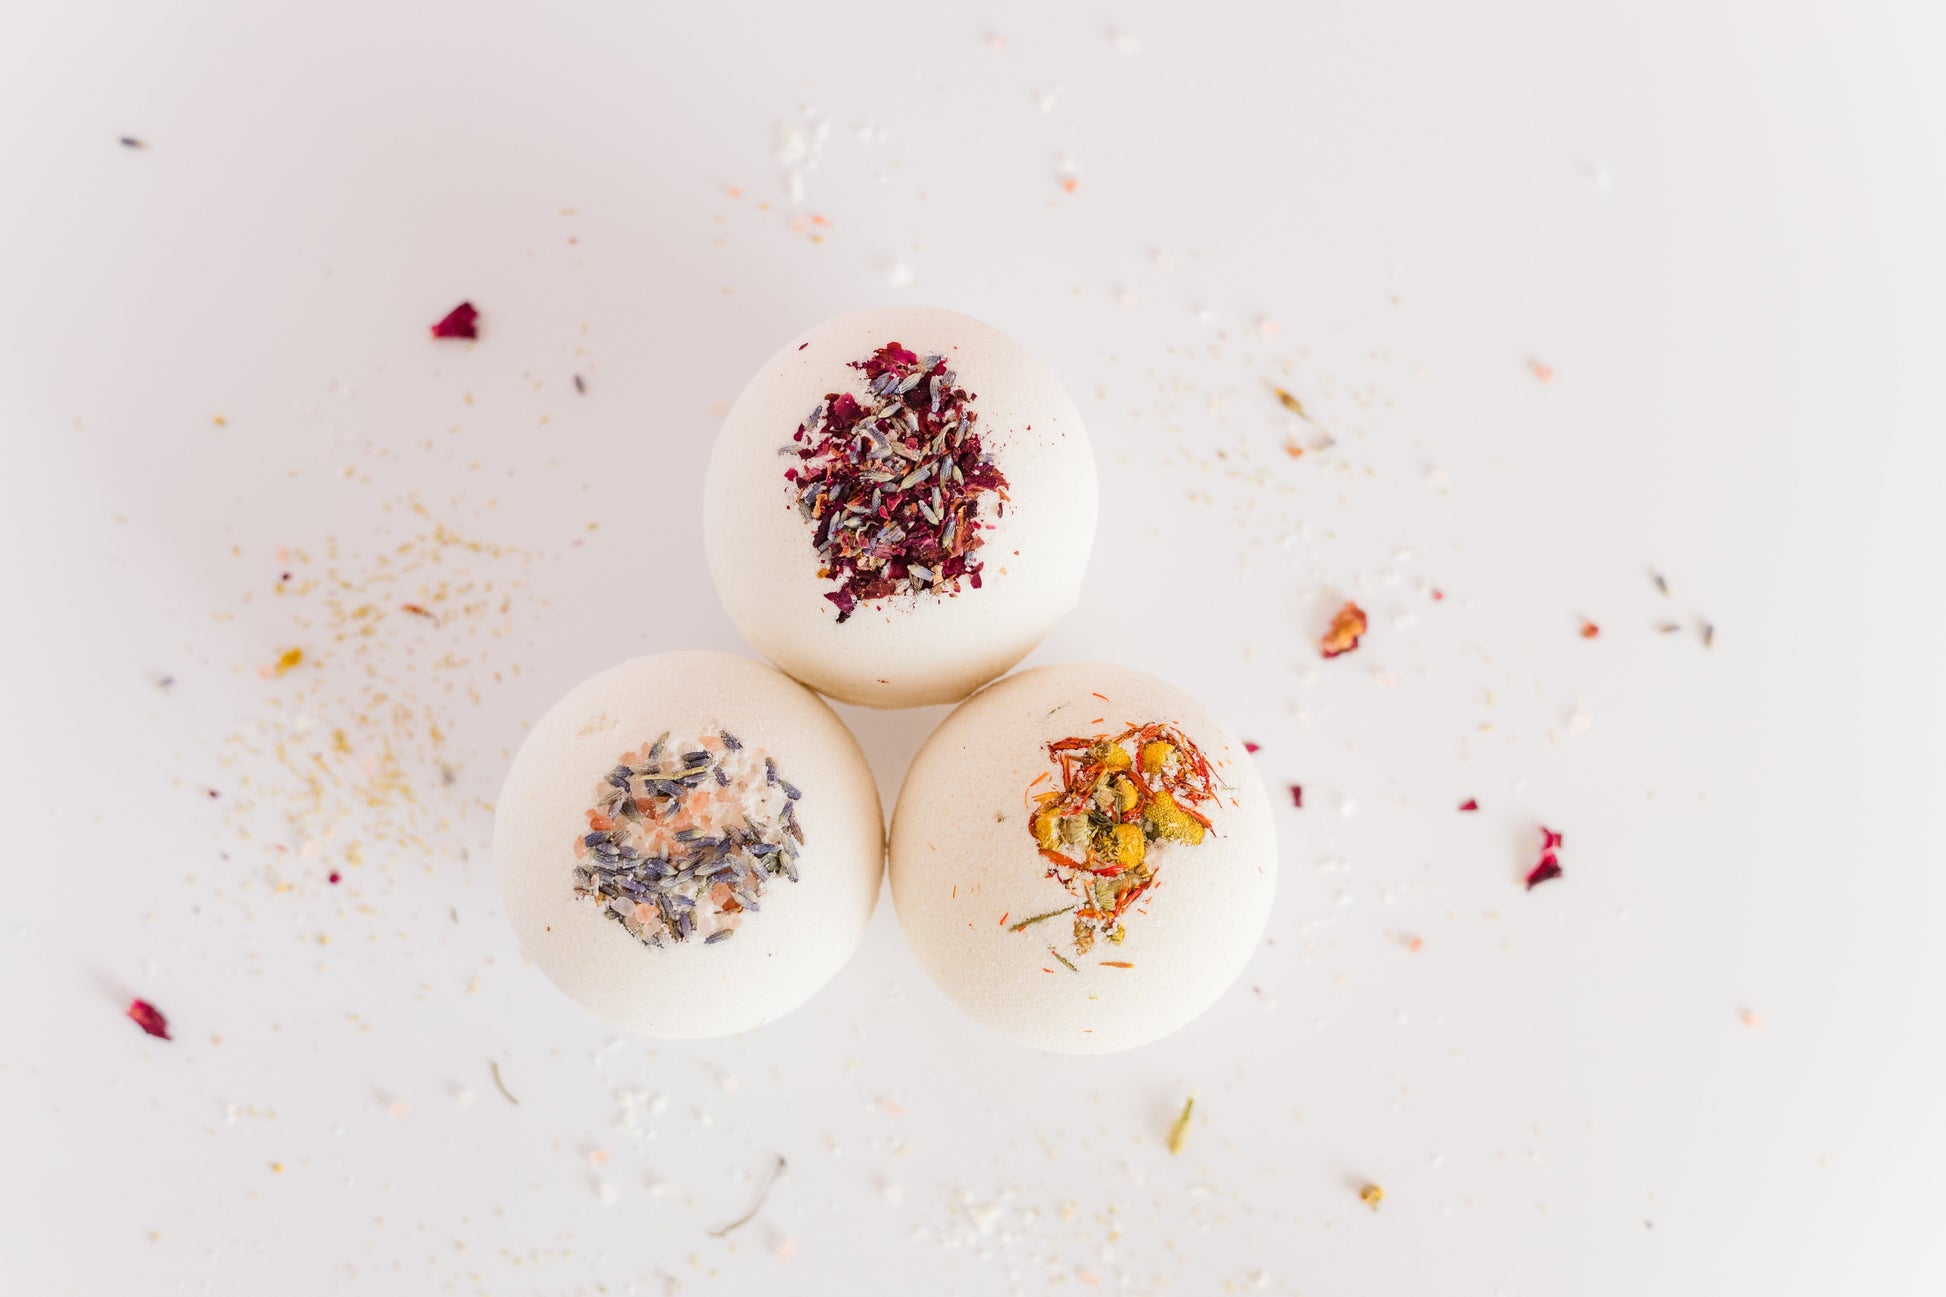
point(899, 506)
point(1083, 857)
point(689, 844)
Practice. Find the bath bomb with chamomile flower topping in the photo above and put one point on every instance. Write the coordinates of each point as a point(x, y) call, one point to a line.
point(689, 844)
point(899, 505)
point(1083, 857)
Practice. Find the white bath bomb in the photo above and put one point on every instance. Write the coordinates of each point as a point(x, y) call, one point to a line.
point(689, 844)
point(1083, 857)
point(899, 506)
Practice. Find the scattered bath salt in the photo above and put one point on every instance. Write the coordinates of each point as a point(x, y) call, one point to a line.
point(892, 1192)
point(1046, 97)
point(1541, 371)
point(607, 1192)
point(1579, 720)
point(1128, 44)
point(1751, 1018)
point(900, 275)
point(1348, 807)
point(784, 1249)
point(347, 762)
point(1126, 297)
point(1267, 328)
point(398, 1108)
point(1164, 262)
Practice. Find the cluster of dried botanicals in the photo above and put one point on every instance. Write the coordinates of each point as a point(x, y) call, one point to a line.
point(893, 488)
point(680, 843)
point(1117, 794)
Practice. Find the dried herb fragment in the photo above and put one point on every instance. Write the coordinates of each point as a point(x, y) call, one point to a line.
point(131, 142)
point(1028, 923)
point(1064, 960)
point(1118, 796)
point(1470, 804)
point(1347, 626)
point(1292, 404)
point(288, 659)
point(1549, 865)
point(460, 322)
point(1179, 1132)
point(763, 1194)
point(682, 839)
point(149, 1018)
point(1116, 963)
point(1297, 796)
point(493, 1065)
point(894, 487)
point(1588, 629)
point(1250, 747)
point(1371, 1195)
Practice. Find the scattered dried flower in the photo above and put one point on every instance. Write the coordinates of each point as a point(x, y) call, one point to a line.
point(1549, 865)
point(1297, 796)
point(460, 322)
point(1371, 1195)
point(1470, 804)
point(1588, 629)
point(1347, 626)
point(149, 1018)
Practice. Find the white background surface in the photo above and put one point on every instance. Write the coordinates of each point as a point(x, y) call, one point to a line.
point(1717, 224)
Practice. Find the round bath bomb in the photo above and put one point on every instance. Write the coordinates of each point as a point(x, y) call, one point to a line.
point(689, 844)
point(1083, 857)
point(899, 506)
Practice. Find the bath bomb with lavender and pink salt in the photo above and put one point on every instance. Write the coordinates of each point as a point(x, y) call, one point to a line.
point(689, 844)
point(899, 506)
point(1083, 857)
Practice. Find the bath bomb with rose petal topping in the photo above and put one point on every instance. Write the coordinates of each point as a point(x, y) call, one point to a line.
point(1083, 858)
point(689, 844)
point(899, 506)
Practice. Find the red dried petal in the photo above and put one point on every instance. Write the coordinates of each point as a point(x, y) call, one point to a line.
point(1248, 746)
point(1470, 804)
point(335, 876)
point(1549, 867)
point(1347, 625)
point(460, 322)
point(1588, 629)
point(1297, 796)
point(149, 1018)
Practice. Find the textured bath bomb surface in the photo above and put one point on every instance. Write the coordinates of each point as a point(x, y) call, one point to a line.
point(945, 512)
point(1074, 900)
point(647, 842)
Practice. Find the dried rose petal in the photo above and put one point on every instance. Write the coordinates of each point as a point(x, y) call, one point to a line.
point(1549, 865)
point(149, 1018)
point(1347, 625)
point(1470, 804)
point(460, 322)
point(1297, 796)
point(1248, 746)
